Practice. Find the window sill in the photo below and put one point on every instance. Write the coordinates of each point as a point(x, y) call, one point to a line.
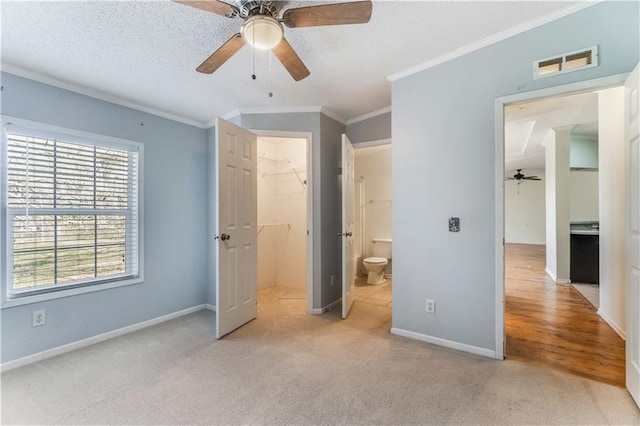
point(26, 300)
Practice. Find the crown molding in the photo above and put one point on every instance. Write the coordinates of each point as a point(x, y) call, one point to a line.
point(96, 94)
point(369, 115)
point(280, 110)
point(333, 115)
point(493, 39)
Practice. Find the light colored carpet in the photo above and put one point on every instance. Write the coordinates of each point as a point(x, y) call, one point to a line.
point(288, 367)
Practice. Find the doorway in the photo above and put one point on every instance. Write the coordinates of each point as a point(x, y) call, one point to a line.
point(235, 222)
point(536, 279)
point(282, 220)
point(564, 129)
point(373, 221)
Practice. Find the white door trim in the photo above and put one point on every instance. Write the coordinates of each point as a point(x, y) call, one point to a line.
point(632, 229)
point(348, 184)
point(309, 137)
point(581, 86)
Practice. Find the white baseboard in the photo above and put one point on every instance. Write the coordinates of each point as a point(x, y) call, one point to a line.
point(443, 342)
point(210, 307)
point(551, 274)
point(49, 353)
point(555, 278)
point(318, 311)
point(613, 325)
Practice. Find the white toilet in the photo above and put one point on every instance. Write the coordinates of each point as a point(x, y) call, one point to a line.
point(375, 265)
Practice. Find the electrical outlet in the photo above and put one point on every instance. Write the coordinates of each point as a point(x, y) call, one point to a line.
point(38, 318)
point(431, 306)
point(333, 280)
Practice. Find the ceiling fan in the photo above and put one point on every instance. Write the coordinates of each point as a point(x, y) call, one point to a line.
point(519, 177)
point(263, 29)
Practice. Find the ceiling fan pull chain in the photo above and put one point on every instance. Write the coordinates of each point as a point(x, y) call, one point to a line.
point(253, 55)
point(270, 76)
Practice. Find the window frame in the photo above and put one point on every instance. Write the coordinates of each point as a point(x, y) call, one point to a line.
point(43, 130)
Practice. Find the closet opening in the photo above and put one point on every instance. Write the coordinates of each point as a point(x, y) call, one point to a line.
point(284, 240)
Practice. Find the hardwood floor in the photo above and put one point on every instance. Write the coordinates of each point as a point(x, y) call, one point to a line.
point(552, 324)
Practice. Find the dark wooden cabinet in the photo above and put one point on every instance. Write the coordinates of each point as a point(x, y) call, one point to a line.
point(585, 259)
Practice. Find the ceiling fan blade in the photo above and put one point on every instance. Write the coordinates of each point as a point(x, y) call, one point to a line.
point(509, 178)
point(290, 59)
point(220, 56)
point(358, 12)
point(532, 178)
point(214, 6)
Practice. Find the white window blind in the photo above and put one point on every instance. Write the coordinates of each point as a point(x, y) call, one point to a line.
point(72, 212)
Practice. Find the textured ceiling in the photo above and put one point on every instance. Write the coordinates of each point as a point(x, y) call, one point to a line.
point(145, 52)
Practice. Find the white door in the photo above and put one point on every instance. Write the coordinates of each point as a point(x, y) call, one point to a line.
point(632, 140)
point(236, 260)
point(348, 268)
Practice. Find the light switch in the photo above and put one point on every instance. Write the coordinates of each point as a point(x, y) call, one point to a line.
point(454, 224)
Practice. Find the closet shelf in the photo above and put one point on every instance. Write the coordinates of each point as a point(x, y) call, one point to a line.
point(261, 226)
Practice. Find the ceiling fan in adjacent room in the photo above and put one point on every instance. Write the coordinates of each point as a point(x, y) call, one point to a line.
point(263, 28)
point(519, 177)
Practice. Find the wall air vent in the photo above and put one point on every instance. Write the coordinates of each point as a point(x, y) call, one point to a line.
point(560, 64)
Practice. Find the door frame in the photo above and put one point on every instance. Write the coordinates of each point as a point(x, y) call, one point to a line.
point(368, 144)
point(500, 103)
point(309, 138)
point(348, 190)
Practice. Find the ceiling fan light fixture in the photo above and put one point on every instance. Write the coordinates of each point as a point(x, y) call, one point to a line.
point(262, 32)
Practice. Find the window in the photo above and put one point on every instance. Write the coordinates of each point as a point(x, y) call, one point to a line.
point(72, 216)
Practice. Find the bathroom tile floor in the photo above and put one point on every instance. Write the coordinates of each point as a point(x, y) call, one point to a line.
point(373, 294)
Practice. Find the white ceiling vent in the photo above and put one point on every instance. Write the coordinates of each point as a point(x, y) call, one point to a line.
point(567, 62)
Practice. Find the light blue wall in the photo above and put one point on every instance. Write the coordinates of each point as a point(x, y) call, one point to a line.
point(175, 206)
point(584, 151)
point(444, 162)
point(371, 129)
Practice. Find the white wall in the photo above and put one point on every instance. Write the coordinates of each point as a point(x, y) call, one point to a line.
point(557, 172)
point(291, 208)
point(266, 214)
point(282, 214)
point(524, 210)
point(583, 196)
point(358, 232)
point(612, 206)
point(373, 166)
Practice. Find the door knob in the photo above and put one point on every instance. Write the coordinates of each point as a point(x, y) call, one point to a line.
point(225, 237)
point(347, 234)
